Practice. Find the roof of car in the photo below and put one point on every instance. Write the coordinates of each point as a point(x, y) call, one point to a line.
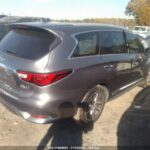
point(70, 28)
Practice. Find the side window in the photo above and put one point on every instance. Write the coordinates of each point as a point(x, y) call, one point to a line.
point(112, 42)
point(87, 45)
point(134, 43)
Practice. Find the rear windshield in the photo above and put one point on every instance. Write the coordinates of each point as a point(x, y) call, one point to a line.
point(26, 43)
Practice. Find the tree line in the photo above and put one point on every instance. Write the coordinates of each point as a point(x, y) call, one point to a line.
point(129, 23)
point(139, 9)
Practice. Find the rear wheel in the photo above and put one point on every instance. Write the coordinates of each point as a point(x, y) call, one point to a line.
point(93, 104)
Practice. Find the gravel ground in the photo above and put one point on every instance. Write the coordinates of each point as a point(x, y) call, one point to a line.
point(119, 125)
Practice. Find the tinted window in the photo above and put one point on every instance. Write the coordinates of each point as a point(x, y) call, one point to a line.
point(112, 42)
point(134, 43)
point(27, 44)
point(87, 45)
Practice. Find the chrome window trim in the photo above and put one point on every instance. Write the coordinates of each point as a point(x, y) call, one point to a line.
point(92, 31)
point(128, 85)
point(114, 54)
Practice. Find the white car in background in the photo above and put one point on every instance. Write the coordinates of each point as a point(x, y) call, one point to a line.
point(143, 31)
point(145, 40)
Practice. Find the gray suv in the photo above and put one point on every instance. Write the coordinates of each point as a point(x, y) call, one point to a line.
point(49, 71)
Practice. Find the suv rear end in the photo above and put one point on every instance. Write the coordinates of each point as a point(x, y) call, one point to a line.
point(24, 79)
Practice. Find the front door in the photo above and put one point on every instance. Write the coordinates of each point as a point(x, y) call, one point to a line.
point(116, 59)
point(139, 59)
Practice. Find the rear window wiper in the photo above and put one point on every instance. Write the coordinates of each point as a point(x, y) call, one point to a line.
point(10, 52)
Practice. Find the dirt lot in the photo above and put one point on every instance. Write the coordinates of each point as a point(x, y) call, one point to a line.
point(120, 124)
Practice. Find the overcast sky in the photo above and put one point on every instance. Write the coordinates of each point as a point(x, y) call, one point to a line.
point(65, 9)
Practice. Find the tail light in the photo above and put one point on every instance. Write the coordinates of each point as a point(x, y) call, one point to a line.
point(42, 79)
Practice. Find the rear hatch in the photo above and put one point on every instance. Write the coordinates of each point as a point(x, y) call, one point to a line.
point(24, 48)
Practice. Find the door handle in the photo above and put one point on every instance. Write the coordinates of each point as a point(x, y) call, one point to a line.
point(109, 67)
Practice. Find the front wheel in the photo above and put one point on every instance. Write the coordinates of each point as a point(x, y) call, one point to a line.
point(93, 104)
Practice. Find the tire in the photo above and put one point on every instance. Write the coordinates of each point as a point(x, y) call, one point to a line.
point(93, 104)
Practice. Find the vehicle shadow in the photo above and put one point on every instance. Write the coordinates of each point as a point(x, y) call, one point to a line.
point(134, 126)
point(64, 133)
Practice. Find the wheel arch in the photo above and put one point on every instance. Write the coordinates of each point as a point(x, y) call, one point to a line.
point(104, 84)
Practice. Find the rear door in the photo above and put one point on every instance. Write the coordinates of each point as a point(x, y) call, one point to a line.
point(117, 61)
point(139, 59)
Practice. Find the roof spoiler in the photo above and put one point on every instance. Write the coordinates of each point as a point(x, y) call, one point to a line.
point(25, 26)
point(33, 27)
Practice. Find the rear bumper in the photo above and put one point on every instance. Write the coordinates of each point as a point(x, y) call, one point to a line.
point(29, 108)
point(26, 115)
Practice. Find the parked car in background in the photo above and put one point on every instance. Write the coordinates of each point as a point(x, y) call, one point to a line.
point(5, 20)
point(141, 30)
point(16, 19)
point(49, 71)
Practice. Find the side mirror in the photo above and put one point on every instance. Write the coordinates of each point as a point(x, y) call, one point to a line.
point(147, 51)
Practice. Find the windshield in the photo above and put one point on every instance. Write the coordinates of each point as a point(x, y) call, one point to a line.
point(139, 29)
